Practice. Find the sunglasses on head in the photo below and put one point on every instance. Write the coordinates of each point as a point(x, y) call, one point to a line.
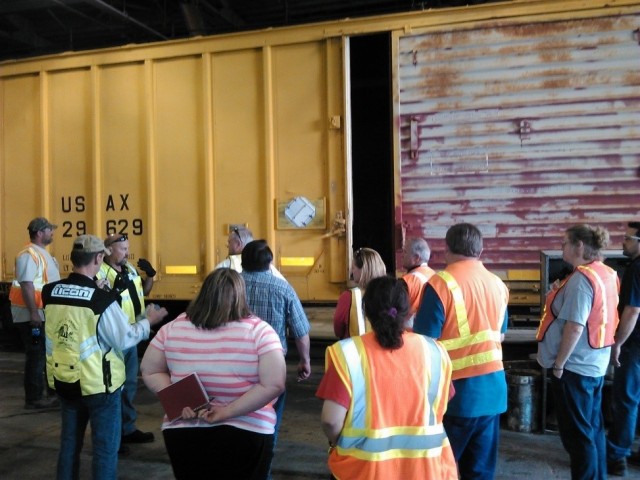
point(115, 239)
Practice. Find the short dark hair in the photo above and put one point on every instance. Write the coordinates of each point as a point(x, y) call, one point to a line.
point(82, 259)
point(256, 256)
point(386, 305)
point(635, 225)
point(464, 239)
point(222, 299)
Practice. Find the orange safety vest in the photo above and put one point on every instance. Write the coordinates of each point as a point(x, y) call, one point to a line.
point(603, 319)
point(415, 280)
point(358, 323)
point(41, 279)
point(393, 427)
point(475, 302)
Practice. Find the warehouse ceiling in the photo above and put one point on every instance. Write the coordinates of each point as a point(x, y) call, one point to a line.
point(40, 27)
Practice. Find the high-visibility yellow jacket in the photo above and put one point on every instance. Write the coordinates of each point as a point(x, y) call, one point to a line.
point(475, 302)
point(110, 273)
point(393, 427)
point(76, 365)
point(603, 319)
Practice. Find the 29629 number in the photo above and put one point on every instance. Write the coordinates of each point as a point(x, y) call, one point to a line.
point(122, 227)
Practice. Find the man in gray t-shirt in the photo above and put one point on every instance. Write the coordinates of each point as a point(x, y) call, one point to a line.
point(35, 267)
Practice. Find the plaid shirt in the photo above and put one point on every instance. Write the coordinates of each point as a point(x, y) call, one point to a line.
point(275, 301)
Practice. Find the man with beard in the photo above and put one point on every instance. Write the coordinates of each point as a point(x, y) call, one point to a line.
point(625, 356)
point(35, 267)
point(123, 278)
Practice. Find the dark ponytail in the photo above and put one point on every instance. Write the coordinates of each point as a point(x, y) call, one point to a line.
point(386, 305)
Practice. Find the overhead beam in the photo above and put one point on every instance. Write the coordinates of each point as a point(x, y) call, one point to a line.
point(105, 7)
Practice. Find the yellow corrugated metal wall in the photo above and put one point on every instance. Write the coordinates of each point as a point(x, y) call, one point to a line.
point(175, 142)
point(174, 150)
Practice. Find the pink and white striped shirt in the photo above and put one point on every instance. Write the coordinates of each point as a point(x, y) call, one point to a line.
point(225, 359)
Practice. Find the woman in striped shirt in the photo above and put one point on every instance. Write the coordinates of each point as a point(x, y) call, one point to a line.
point(240, 362)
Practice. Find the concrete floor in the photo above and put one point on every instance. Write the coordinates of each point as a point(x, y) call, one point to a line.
point(29, 439)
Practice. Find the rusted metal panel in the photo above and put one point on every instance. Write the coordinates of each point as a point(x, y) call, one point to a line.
point(521, 129)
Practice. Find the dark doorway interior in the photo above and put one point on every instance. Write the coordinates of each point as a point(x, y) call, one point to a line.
point(372, 145)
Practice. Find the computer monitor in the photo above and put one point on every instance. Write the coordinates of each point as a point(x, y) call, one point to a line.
point(553, 267)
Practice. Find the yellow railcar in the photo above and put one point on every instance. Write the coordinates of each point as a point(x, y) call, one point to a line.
point(175, 143)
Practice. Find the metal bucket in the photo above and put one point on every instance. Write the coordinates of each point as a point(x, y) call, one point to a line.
point(523, 399)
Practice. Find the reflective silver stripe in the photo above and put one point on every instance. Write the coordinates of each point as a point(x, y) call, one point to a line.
point(408, 323)
point(433, 355)
point(394, 442)
point(357, 293)
point(358, 386)
point(88, 347)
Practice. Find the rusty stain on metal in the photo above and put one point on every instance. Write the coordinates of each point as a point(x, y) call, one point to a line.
point(568, 88)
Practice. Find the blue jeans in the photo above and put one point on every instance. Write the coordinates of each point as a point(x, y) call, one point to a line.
point(626, 398)
point(474, 441)
point(279, 408)
point(34, 364)
point(103, 411)
point(578, 401)
point(129, 414)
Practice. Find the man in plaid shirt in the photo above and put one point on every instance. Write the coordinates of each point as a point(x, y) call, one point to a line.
point(274, 301)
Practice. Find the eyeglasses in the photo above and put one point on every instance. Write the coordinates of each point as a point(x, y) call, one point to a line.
point(115, 239)
point(631, 237)
point(236, 230)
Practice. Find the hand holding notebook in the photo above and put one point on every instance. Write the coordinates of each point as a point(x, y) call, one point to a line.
point(186, 392)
